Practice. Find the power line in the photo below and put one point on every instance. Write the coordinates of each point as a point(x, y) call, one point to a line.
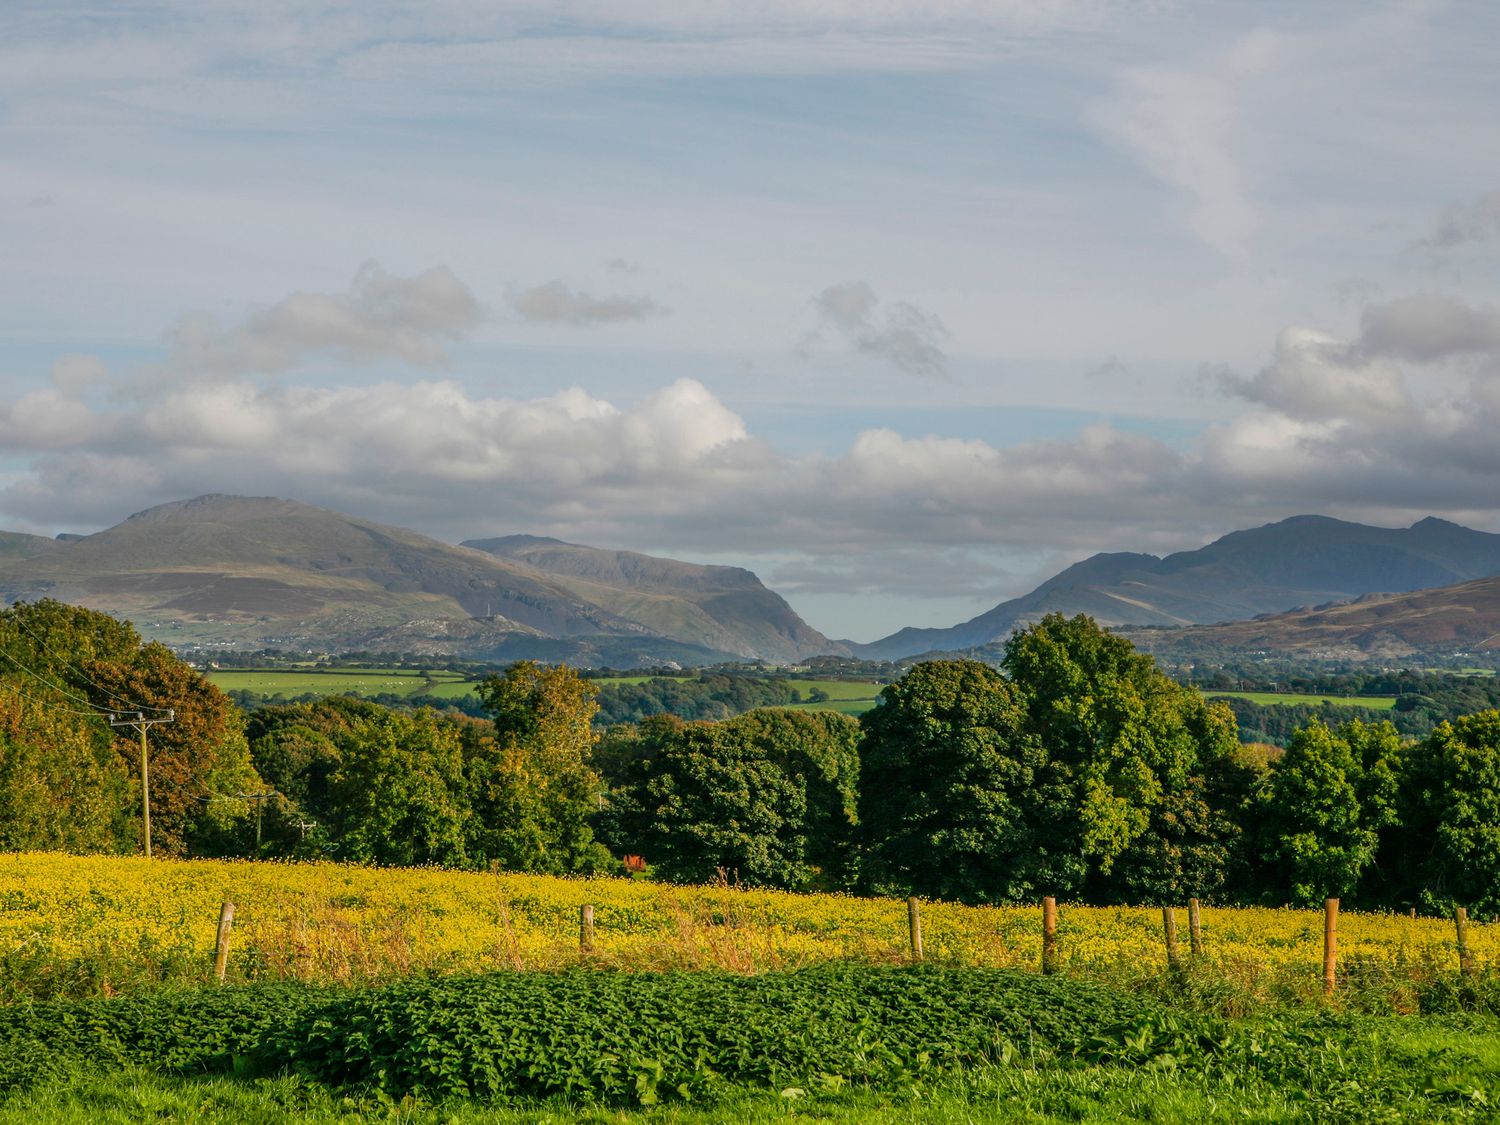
point(128, 705)
point(49, 684)
point(35, 702)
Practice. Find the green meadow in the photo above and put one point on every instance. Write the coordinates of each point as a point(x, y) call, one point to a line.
point(292, 682)
point(1289, 699)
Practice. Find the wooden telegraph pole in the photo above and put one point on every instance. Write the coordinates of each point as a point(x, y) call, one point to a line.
point(138, 720)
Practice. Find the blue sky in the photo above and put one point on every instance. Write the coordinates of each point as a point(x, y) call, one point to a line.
point(903, 306)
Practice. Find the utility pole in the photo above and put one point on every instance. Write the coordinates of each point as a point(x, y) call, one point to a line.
point(138, 720)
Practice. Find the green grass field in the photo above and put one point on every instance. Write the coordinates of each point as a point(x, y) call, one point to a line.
point(1288, 699)
point(844, 696)
point(342, 681)
point(849, 698)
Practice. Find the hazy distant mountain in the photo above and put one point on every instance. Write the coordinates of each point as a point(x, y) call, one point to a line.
point(249, 571)
point(1449, 620)
point(719, 607)
point(19, 545)
point(1302, 561)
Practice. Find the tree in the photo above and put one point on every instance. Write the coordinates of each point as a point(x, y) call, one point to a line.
point(397, 794)
point(768, 795)
point(1322, 808)
point(531, 785)
point(75, 659)
point(948, 776)
point(198, 763)
point(62, 787)
point(1449, 838)
point(1128, 804)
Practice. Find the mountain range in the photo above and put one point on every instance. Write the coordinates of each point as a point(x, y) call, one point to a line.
point(255, 571)
point(251, 572)
point(1300, 562)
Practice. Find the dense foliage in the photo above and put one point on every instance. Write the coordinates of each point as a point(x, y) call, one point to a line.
point(767, 798)
point(705, 697)
point(1086, 773)
point(69, 779)
point(643, 1039)
point(1076, 768)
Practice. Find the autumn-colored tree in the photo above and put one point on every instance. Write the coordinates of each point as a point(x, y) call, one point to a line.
point(71, 659)
point(199, 762)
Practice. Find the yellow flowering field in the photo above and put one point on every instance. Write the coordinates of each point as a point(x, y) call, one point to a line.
point(102, 925)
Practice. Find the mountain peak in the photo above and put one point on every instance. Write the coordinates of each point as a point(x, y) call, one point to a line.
point(220, 505)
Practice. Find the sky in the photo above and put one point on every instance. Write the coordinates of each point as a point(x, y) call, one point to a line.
point(903, 305)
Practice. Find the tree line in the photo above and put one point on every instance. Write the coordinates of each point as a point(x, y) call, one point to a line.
point(1075, 769)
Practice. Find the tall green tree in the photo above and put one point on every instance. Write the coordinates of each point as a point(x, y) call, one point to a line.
point(75, 659)
point(1131, 799)
point(397, 795)
point(949, 777)
point(62, 786)
point(1449, 838)
point(1322, 808)
point(768, 796)
point(531, 784)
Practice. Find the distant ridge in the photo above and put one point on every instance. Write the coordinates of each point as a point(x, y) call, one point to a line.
point(19, 545)
point(1453, 620)
point(1301, 561)
point(720, 607)
point(259, 571)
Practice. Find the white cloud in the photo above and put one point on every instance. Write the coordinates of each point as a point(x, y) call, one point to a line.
point(1331, 427)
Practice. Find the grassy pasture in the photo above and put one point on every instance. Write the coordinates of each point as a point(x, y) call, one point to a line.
point(1289, 699)
point(341, 681)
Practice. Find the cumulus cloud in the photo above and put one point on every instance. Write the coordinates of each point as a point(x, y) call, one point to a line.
point(1429, 328)
point(381, 316)
point(1328, 425)
point(1314, 376)
point(898, 332)
point(556, 303)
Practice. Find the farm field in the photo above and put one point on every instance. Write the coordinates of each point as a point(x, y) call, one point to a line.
point(845, 696)
point(820, 1018)
point(74, 926)
point(341, 681)
point(1272, 698)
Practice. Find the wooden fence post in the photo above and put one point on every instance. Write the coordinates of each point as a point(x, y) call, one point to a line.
point(586, 928)
point(1330, 945)
point(914, 927)
point(1195, 928)
point(1049, 934)
point(1169, 928)
point(221, 945)
point(1465, 958)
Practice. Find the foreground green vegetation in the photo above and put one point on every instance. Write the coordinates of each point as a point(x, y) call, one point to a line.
point(834, 1043)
